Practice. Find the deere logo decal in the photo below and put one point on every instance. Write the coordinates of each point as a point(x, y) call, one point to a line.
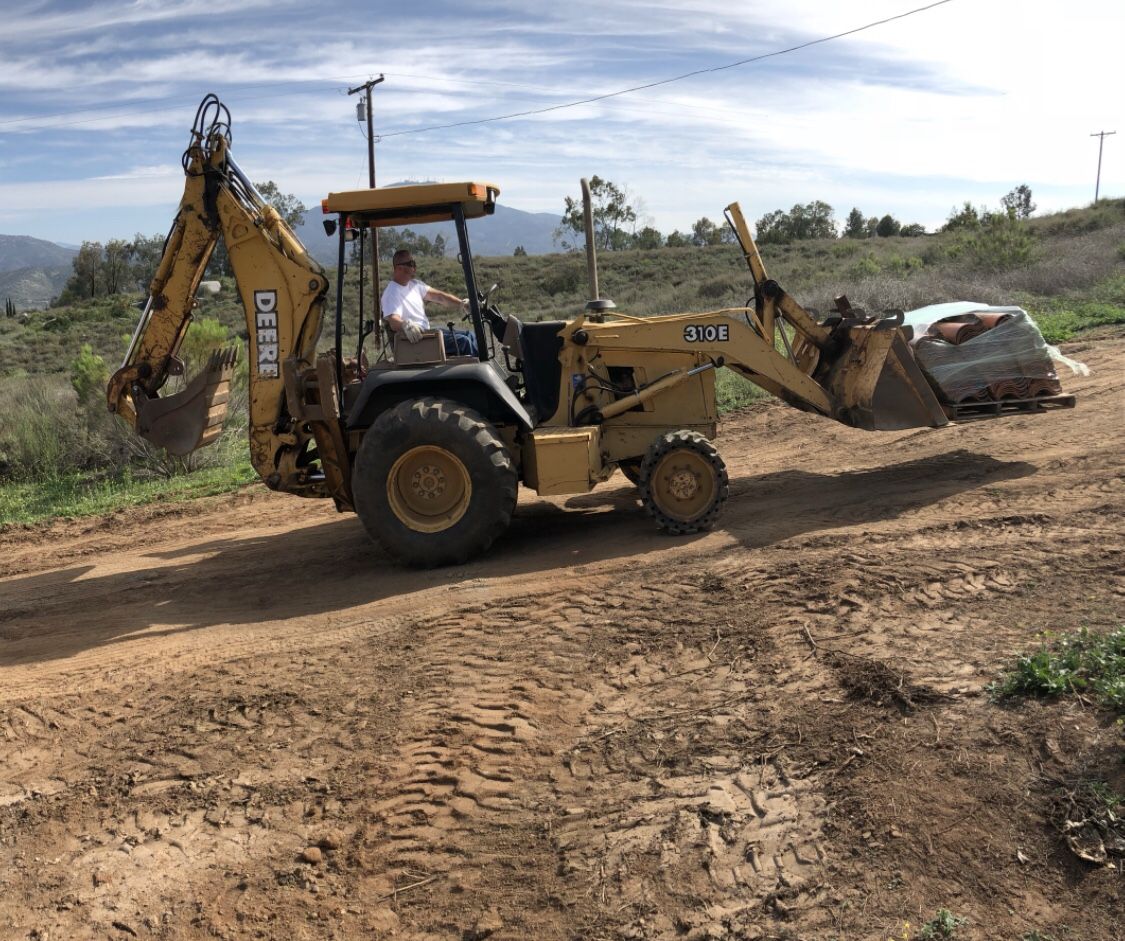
point(265, 323)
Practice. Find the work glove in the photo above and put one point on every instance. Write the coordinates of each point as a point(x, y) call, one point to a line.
point(411, 331)
point(464, 307)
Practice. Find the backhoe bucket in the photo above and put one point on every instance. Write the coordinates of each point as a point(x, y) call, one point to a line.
point(190, 419)
point(876, 385)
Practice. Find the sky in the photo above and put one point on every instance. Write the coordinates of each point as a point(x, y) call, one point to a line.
point(962, 101)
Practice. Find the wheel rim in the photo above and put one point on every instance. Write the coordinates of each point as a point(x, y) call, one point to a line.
point(429, 489)
point(683, 485)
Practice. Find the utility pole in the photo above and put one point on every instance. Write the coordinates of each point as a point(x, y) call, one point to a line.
point(366, 105)
point(1101, 135)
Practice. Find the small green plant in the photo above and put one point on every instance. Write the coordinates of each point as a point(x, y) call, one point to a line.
point(866, 267)
point(1082, 663)
point(1037, 936)
point(1061, 319)
point(732, 391)
point(943, 925)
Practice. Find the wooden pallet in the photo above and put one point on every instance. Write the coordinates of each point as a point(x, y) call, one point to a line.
point(967, 411)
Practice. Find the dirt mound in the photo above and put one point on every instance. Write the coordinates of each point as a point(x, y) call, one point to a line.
point(239, 720)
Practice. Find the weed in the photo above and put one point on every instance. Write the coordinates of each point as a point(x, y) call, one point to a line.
point(1081, 663)
point(1060, 319)
point(87, 495)
point(943, 925)
point(732, 391)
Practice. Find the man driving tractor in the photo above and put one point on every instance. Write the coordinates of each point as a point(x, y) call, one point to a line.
point(404, 308)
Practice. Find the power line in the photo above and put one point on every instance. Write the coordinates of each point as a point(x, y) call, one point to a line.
point(669, 81)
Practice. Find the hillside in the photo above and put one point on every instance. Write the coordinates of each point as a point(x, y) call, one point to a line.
point(1072, 275)
point(32, 271)
point(23, 251)
point(32, 288)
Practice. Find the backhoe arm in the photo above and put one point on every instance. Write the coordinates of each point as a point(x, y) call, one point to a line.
point(282, 290)
point(151, 358)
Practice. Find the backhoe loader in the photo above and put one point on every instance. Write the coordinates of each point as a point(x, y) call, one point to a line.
point(429, 449)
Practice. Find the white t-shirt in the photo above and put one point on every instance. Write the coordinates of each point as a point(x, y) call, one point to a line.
point(406, 302)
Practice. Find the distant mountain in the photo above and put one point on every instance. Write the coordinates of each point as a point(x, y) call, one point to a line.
point(23, 251)
point(498, 234)
point(33, 288)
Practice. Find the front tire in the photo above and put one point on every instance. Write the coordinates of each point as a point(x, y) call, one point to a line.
point(684, 482)
point(433, 483)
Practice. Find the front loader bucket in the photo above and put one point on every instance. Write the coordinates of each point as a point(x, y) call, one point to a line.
point(875, 383)
point(190, 419)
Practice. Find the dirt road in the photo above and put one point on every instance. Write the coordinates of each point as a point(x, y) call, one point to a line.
point(238, 720)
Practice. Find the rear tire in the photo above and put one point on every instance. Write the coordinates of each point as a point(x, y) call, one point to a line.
point(433, 483)
point(684, 482)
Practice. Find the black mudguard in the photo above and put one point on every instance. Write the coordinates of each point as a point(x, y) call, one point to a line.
point(477, 385)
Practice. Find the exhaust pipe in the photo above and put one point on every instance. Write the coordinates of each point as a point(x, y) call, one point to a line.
point(597, 305)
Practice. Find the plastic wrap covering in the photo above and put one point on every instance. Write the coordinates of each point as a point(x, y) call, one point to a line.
point(984, 354)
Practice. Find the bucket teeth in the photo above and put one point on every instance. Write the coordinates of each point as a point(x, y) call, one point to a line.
point(192, 418)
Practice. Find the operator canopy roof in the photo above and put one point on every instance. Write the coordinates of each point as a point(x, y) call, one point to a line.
point(426, 202)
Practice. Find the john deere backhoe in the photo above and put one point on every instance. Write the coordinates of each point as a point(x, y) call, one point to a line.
point(429, 450)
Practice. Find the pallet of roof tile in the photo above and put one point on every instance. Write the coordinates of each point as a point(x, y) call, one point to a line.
point(977, 408)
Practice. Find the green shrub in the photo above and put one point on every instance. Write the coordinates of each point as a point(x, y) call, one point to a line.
point(896, 264)
point(40, 436)
point(1000, 246)
point(1062, 318)
point(1077, 663)
point(88, 375)
point(866, 267)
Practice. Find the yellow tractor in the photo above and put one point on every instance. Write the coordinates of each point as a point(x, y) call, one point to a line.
point(428, 449)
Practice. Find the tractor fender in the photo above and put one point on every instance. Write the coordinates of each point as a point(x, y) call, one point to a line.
point(477, 385)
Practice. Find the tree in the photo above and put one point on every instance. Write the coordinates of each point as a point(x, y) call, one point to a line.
point(87, 279)
point(1018, 202)
point(965, 218)
point(706, 232)
point(913, 230)
point(9, 308)
point(145, 253)
point(648, 237)
point(773, 228)
point(611, 211)
point(810, 221)
point(888, 226)
point(677, 239)
point(813, 221)
point(115, 266)
point(856, 226)
point(871, 225)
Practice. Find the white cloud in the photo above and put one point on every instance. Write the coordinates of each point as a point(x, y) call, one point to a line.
point(963, 101)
